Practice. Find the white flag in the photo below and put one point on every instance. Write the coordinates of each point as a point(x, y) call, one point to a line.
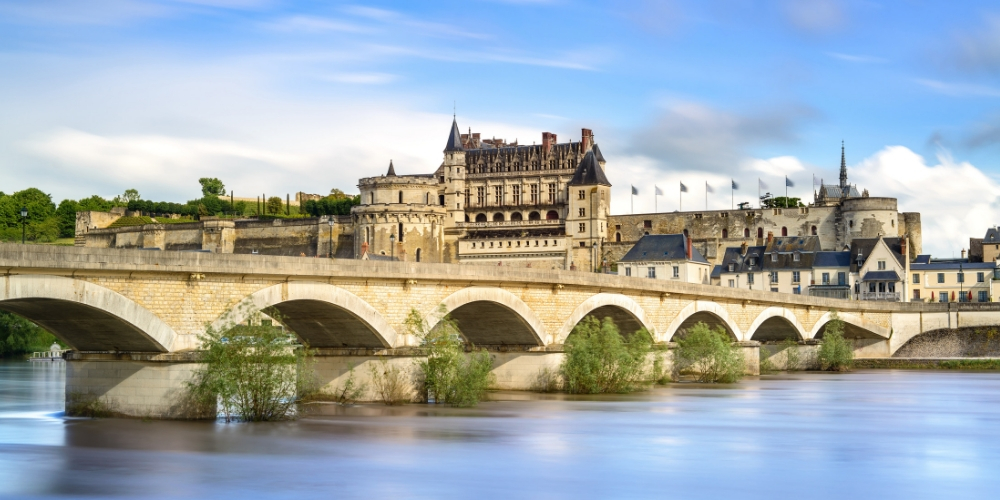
point(659, 192)
point(708, 189)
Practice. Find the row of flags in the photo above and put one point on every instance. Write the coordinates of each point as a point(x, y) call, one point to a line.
point(709, 189)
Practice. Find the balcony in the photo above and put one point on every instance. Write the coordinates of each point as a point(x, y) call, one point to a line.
point(881, 296)
point(830, 291)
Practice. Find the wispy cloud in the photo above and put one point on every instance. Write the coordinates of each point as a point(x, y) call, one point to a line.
point(959, 89)
point(816, 16)
point(425, 28)
point(362, 78)
point(316, 24)
point(857, 58)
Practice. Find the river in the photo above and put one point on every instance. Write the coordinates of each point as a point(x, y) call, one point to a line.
point(868, 434)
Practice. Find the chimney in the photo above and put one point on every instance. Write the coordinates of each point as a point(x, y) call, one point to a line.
point(770, 237)
point(902, 247)
point(364, 247)
point(548, 139)
point(963, 253)
point(743, 248)
point(588, 139)
point(687, 247)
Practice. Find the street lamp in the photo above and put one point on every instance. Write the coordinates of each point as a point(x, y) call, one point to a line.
point(593, 257)
point(392, 246)
point(331, 222)
point(24, 220)
point(750, 277)
point(961, 284)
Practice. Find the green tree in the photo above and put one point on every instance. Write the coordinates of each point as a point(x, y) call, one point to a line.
point(600, 359)
point(836, 353)
point(274, 205)
point(19, 336)
point(211, 186)
point(781, 202)
point(131, 195)
point(709, 354)
point(66, 217)
point(448, 374)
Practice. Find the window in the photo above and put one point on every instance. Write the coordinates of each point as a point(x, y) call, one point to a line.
point(498, 217)
point(961, 277)
point(647, 224)
point(651, 272)
point(677, 272)
point(826, 278)
point(418, 255)
point(400, 196)
point(784, 231)
point(618, 237)
point(979, 278)
point(774, 276)
point(725, 233)
point(797, 290)
point(796, 257)
point(796, 276)
point(841, 279)
point(753, 261)
point(498, 195)
point(813, 231)
point(774, 256)
point(881, 265)
point(916, 295)
point(984, 296)
point(583, 212)
point(916, 279)
point(441, 200)
point(732, 283)
point(581, 194)
point(750, 279)
point(400, 232)
point(552, 193)
point(943, 297)
point(534, 194)
point(746, 233)
point(515, 192)
point(480, 196)
point(940, 277)
point(583, 227)
point(628, 271)
point(774, 290)
point(731, 266)
point(760, 232)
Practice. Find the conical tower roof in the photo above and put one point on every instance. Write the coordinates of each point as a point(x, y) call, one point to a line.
point(454, 139)
point(392, 170)
point(589, 172)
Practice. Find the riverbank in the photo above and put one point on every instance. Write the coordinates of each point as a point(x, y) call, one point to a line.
point(982, 364)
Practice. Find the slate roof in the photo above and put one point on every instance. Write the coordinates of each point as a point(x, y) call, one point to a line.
point(589, 172)
point(392, 170)
point(597, 153)
point(922, 259)
point(832, 259)
point(881, 276)
point(992, 235)
point(951, 265)
point(716, 271)
point(660, 247)
point(865, 247)
point(741, 263)
point(794, 243)
point(831, 191)
point(454, 139)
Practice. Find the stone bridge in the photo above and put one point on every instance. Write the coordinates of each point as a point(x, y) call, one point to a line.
point(149, 304)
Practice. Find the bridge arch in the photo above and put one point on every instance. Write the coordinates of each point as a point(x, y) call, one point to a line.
point(776, 323)
point(854, 327)
point(626, 313)
point(491, 316)
point(706, 311)
point(321, 314)
point(86, 316)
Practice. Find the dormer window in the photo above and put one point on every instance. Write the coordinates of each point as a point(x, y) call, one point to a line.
point(753, 261)
point(774, 256)
point(797, 257)
point(732, 267)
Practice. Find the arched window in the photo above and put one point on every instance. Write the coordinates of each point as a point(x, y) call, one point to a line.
point(552, 215)
point(516, 216)
point(814, 230)
point(760, 232)
point(784, 231)
point(618, 237)
point(481, 218)
point(400, 232)
point(466, 217)
point(400, 196)
point(418, 255)
point(746, 232)
point(498, 217)
point(534, 216)
point(725, 233)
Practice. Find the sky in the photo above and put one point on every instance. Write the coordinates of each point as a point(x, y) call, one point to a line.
point(277, 97)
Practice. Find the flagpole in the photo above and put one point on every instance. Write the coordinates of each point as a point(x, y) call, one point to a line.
point(706, 196)
point(758, 194)
point(786, 191)
point(732, 195)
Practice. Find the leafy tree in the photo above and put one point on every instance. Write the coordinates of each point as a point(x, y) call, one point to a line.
point(130, 195)
point(709, 354)
point(19, 336)
point(836, 353)
point(211, 186)
point(331, 205)
point(66, 218)
point(274, 205)
point(96, 203)
point(600, 359)
point(448, 374)
point(781, 202)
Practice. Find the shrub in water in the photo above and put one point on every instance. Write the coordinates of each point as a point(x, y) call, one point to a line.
point(253, 371)
point(709, 354)
point(836, 353)
point(599, 359)
point(390, 383)
point(448, 374)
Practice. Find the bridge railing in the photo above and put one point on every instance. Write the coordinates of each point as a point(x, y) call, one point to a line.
point(47, 355)
point(883, 296)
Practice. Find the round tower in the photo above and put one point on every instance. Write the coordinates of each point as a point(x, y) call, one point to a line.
point(867, 217)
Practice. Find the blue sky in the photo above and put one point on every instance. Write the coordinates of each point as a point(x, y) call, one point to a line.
point(274, 97)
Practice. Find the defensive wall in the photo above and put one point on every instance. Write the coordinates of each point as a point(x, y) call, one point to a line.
point(131, 315)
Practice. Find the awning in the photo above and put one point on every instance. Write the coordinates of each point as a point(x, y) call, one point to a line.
point(881, 276)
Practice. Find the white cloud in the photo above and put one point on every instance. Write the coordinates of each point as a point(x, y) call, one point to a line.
point(857, 58)
point(959, 89)
point(362, 78)
point(956, 200)
point(778, 167)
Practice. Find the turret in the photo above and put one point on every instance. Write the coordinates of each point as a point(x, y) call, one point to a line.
point(589, 202)
point(451, 176)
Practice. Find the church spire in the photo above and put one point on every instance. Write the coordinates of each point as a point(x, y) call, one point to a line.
point(843, 168)
point(454, 139)
point(392, 170)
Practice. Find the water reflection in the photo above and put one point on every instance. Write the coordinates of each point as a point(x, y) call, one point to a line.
point(869, 434)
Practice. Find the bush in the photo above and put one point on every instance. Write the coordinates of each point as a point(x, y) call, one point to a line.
point(448, 374)
point(836, 353)
point(709, 354)
point(351, 392)
point(253, 371)
point(600, 360)
point(391, 385)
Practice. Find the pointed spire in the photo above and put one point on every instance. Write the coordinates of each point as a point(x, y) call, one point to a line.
point(392, 170)
point(454, 139)
point(843, 168)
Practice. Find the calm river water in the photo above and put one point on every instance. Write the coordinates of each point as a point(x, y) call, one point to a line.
point(874, 434)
